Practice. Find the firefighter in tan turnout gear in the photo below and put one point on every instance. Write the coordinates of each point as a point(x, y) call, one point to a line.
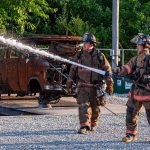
point(138, 69)
point(89, 83)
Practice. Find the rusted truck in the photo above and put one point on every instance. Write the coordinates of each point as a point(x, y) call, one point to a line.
point(28, 74)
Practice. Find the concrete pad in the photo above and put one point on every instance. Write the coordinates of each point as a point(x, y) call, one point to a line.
point(67, 105)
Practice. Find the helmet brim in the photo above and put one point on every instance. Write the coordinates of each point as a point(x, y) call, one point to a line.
point(136, 40)
point(141, 39)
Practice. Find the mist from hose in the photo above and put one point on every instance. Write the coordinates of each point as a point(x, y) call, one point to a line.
point(24, 48)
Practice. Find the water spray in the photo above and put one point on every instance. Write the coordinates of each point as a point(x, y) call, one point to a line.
point(23, 48)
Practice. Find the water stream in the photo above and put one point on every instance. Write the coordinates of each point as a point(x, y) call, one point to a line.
point(23, 48)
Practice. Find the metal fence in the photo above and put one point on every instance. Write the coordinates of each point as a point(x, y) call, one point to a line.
point(121, 53)
point(111, 52)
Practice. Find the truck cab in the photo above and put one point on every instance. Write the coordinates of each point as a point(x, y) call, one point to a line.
point(28, 74)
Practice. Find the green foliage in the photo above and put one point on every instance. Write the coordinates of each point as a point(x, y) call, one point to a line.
point(74, 17)
point(78, 17)
point(22, 15)
point(77, 26)
point(134, 18)
point(67, 24)
point(3, 20)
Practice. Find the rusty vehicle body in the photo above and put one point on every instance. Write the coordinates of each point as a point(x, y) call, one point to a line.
point(30, 74)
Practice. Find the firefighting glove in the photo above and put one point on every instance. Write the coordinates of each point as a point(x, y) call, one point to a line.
point(69, 86)
point(109, 88)
point(116, 70)
point(102, 101)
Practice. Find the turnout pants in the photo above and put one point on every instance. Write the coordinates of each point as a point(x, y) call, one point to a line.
point(88, 106)
point(132, 115)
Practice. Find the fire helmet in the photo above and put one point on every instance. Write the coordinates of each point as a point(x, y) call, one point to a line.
point(88, 37)
point(141, 39)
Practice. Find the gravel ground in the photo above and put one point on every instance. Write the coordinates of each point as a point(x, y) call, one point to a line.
point(117, 99)
point(60, 132)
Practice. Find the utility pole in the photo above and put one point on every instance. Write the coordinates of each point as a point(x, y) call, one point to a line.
point(115, 33)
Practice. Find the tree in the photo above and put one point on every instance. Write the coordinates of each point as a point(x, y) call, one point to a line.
point(22, 16)
point(134, 18)
point(69, 24)
point(75, 17)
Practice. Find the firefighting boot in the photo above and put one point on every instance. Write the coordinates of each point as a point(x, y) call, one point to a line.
point(84, 130)
point(129, 138)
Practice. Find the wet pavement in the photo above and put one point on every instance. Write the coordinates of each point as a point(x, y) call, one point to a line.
point(67, 105)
